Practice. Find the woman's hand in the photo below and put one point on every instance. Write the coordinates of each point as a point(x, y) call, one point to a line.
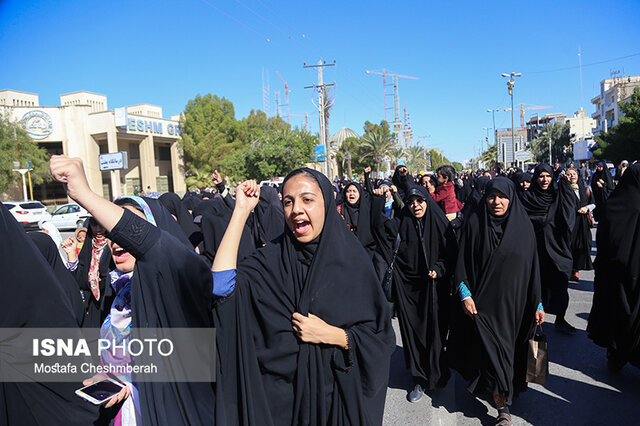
point(433, 275)
point(539, 317)
point(469, 307)
point(247, 196)
point(70, 171)
point(120, 396)
point(69, 246)
point(313, 329)
point(583, 210)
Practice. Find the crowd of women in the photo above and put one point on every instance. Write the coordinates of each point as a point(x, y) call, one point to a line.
point(301, 283)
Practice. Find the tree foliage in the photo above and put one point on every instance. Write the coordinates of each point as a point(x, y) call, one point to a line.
point(256, 147)
point(622, 142)
point(12, 135)
point(560, 137)
point(376, 145)
point(490, 157)
point(210, 133)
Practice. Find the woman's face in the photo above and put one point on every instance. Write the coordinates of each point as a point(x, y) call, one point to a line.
point(303, 208)
point(497, 202)
point(573, 176)
point(81, 236)
point(97, 230)
point(544, 180)
point(525, 184)
point(124, 261)
point(417, 206)
point(353, 195)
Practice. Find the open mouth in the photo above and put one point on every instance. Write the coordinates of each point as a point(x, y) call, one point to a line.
point(120, 255)
point(302, 226)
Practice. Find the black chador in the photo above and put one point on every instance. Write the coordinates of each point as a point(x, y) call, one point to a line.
point(422, 303)
point(267, 376)
point(614, 322)
point(498, 263)
point(552, 212)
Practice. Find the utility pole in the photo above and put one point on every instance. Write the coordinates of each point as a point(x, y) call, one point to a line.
point(322, 133)
point(510, 84)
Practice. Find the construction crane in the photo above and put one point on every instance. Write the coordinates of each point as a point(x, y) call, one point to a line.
point(397, 124)
point(529, 108)
point(286, 95)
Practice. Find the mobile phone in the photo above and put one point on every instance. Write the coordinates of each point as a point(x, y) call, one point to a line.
point(100, 392)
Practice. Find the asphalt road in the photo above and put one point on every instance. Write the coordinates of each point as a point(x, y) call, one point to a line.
point(581, 390)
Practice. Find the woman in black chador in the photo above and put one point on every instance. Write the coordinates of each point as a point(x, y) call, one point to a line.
point(614, 322)
point(303, 327)
point(31, 296)
point(499, 288)
point(581, 239)
point(551, 208)
point(422, 287)
point(165, 284)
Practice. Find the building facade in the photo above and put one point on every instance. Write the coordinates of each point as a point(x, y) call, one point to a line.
point(83, 126)
point(612, 91)
point(506, 143)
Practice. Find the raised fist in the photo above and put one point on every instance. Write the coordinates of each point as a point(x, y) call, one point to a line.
point(70, 171)
point(247, 195)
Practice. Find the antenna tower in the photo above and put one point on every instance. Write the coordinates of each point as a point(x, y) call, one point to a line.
point(277, 98)
point(266, 104)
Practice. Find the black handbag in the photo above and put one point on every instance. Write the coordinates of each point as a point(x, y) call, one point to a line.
point(387, 281)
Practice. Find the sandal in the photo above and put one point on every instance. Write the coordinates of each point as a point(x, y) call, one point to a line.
point(504, 419)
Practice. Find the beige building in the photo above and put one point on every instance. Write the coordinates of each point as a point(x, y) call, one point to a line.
point(612, 91)
point(83, 126)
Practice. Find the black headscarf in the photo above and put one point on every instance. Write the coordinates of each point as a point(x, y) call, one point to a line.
point(267, 375)
point(269, 215)
point(171, 287)
point(191, 200)
point(172, 203)
point(476, 194)
point(552, 213)
point(498, 262)
point(215, 215)
point(581, 240)
point(51, 254)
point(401, 182)
point(31, 296)
point(614, 321)
point(600, 195)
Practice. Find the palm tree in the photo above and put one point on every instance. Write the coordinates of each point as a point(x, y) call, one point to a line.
point(376, 146)
point(396, 153)
point(490, 156)
point(416, 158)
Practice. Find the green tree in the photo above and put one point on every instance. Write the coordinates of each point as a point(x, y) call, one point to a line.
point(437, 159)
point(396, 154)
point(416, 158)
point(210, 134)
point(560, 137)
point(376, 145)
point(15, 143)
point(490, 157)
point(274, 153)
point(346, 155)
point(622, 142)
point(458, 166)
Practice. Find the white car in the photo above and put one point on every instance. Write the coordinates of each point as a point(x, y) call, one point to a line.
point(68, 216)
point(28, 213)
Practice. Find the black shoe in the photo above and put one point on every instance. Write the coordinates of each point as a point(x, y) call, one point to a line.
point(416, 394)
point(564, 326)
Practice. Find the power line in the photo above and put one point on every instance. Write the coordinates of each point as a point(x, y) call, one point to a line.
point(585, 65)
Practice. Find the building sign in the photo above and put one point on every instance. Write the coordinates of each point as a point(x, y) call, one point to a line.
point(151, 126)
point(523, 155)
point(38, 124)
point(113, 161)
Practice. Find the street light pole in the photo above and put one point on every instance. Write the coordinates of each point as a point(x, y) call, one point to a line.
point(510, 84)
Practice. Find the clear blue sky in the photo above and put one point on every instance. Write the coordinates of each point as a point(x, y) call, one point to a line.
point(166, 52)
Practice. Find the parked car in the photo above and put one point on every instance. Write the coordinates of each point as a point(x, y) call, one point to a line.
point(28, 213)
point(68, 216)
